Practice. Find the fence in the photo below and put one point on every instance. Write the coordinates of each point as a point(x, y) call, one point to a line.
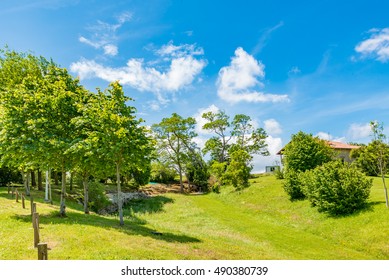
point(41, 247)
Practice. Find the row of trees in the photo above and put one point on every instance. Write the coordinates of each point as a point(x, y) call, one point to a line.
point(231, 148)
point(49, 121)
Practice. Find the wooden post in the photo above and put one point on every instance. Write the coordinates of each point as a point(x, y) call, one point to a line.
point(42, 251)
point(13, 192)
point(17, 196)
point(32, 204)
point(9, 189)
point(35, 222)
point(23, 203)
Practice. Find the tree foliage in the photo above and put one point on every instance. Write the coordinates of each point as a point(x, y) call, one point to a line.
point(336, 188)
point(233, 147)
point(174, 141)
point(238, 171)
point(305, 152)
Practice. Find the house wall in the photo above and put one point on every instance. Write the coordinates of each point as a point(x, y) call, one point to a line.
point(344, 154)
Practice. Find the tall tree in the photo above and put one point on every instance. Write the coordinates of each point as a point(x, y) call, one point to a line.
point(250, 139)
point(118, 136)
point(219, 124)
point(174, 137)
point(21, 78)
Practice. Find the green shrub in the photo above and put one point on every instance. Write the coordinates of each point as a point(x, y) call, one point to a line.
point(279, 173)
point(97, 197)
point(238, 171)
point(162, 173)
point(198, 174)
point(293, 186)
point(336, 188)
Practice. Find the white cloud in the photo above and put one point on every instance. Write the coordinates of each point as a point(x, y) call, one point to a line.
point(272, 127)
point(327, 136)
point(181, 72)
point(260, 162)
point(235, 82)
point(103, 35)
point(274, 144)
point(200, 121)
point(359, 131)
point(111, 50)
point(377, 46)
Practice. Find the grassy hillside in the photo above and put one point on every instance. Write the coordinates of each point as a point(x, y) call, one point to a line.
point(258, 223)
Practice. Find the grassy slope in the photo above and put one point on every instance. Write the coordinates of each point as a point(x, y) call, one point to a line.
point(258, 223)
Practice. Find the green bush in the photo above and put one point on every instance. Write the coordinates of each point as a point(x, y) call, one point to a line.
point(336, 188)
point(162, 173)
point(293, 186)
point(279, 173)
point(238, 171)
point(97, 197)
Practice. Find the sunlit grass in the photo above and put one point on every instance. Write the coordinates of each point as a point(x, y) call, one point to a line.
point(256, 223)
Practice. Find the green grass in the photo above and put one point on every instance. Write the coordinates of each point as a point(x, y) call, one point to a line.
point(257, 223)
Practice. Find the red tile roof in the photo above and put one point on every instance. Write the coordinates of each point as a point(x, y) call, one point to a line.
point(333, 144)
point(339, 145)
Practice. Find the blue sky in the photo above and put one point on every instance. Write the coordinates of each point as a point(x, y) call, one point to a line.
point(317, 66)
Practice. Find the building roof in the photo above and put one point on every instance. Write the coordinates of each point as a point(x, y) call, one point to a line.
point(334, 145)
point(341, 146)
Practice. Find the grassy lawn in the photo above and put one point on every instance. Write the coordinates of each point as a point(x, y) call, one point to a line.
point(257, 223)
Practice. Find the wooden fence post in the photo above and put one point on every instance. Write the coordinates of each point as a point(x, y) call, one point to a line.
point(33, 209)
point(32, 205)
point(42, 251)
point(17, 196)
point(23, 203)
point(35, 222)
point(9, 189)
point(13, 192)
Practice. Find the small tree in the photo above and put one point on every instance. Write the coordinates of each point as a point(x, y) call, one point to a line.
point(238, 171)
point(382, 153)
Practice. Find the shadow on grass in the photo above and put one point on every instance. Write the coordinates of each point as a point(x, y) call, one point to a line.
point(132, 226)
point(150, 205)
point(369, 207)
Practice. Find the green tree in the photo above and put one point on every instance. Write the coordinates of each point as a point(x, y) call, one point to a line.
point(118, 135)
point(238, 171)
point(249, 139)
point(382, 153)
point(305, 152)
point(174, 136)
point(367, 157)
point(219, 124)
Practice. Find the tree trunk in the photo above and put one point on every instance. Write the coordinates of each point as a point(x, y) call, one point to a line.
point(55, 173)
point(385, 190)
point(25, 183)
point(71, 181)
point(85, 182)
point(33, 181)
point(47, 186)
point(120, 202)
point(40, 185)
point(62, 210)
point(181, 184)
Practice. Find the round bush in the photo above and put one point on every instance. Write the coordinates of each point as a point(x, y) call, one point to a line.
point(336, 188)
